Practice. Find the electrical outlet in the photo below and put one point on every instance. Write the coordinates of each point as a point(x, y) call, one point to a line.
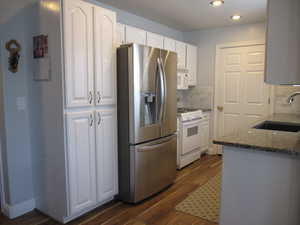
point(21, 103)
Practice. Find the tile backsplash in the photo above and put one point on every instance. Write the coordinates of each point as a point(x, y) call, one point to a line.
point(202, 97)
point(281, 95)
point(195, 97)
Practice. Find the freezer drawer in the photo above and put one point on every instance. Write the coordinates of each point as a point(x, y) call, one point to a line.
point(154, 167)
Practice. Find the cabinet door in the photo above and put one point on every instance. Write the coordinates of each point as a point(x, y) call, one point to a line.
point(155, 40)
point(120, 34)
point(81, 160)
point(169, 44)
point(135, 35)
point(204, 135)
point(192, 64)
point(106, 154)
point(78, 51)
point(283, 42)
point(181, 54)
point(105, 56)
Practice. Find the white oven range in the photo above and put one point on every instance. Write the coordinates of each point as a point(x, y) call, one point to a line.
point(189, 136)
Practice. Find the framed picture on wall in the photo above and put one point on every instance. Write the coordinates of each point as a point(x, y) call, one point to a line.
point(42, 69)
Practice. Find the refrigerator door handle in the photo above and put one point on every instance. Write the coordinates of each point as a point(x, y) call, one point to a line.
point(156, 145)
point(162, 89)
point(165, 89)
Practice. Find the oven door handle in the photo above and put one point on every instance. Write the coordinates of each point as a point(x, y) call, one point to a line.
point(193, 121)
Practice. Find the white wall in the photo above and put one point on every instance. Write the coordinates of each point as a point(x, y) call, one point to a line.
point(207, 40)
point(17, 149)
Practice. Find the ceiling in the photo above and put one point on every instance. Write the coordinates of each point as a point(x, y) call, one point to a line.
point(188, 15)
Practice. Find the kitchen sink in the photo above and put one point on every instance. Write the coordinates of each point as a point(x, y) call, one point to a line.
point(279, 126)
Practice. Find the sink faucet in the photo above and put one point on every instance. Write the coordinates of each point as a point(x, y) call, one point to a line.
point(291, 98)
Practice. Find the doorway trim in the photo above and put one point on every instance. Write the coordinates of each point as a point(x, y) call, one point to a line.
point(216, 148)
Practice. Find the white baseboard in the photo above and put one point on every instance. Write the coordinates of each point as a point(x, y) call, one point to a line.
point(13, 211)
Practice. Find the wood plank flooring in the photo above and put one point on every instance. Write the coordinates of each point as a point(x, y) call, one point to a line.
point(158, 210)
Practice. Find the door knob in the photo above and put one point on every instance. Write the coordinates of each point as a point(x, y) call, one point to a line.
point(220, 108)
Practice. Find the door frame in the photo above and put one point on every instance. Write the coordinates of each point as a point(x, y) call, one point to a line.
point(216, 98)
point(3, 203)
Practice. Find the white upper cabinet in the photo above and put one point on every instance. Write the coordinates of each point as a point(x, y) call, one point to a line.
point(155, 40)
point(120, 34)
point(106, 153)
point(192, 64)
point(105, 56)
point(78, 42)
point(81, 160)
point(169, 44)
point(135, 35)
point(283, 42)
point(181, 54)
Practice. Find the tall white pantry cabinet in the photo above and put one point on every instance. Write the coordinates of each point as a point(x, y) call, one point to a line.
point(82, 173)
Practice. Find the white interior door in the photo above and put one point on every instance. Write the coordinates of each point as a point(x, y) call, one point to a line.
point(106, 154)
point(242, 95)
point(81, 160)
point(105, 56)
point(78, 35)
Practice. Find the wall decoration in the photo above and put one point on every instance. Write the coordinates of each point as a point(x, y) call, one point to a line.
point(13, 47)
point(41, 57)
point(40, 46)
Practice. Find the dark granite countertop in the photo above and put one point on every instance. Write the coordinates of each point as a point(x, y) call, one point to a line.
point(266, 140)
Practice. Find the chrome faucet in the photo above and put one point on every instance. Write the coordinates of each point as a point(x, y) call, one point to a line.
point(291, 98)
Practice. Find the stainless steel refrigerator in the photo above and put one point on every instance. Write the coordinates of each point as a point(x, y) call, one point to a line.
point(147, 108)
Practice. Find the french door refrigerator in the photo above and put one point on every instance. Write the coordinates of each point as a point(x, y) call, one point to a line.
point(147, 110)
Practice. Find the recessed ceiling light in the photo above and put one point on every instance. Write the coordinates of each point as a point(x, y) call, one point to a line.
point(236, 17)
point(217, 3)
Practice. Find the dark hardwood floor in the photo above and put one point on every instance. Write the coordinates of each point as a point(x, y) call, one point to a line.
point(158, 210)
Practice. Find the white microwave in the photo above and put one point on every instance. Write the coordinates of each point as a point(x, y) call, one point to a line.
point(182, 81)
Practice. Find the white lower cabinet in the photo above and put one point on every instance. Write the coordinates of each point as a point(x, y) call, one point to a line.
point(106, 154)
point(92, 155)
point(81, 158)
point(204, 135)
